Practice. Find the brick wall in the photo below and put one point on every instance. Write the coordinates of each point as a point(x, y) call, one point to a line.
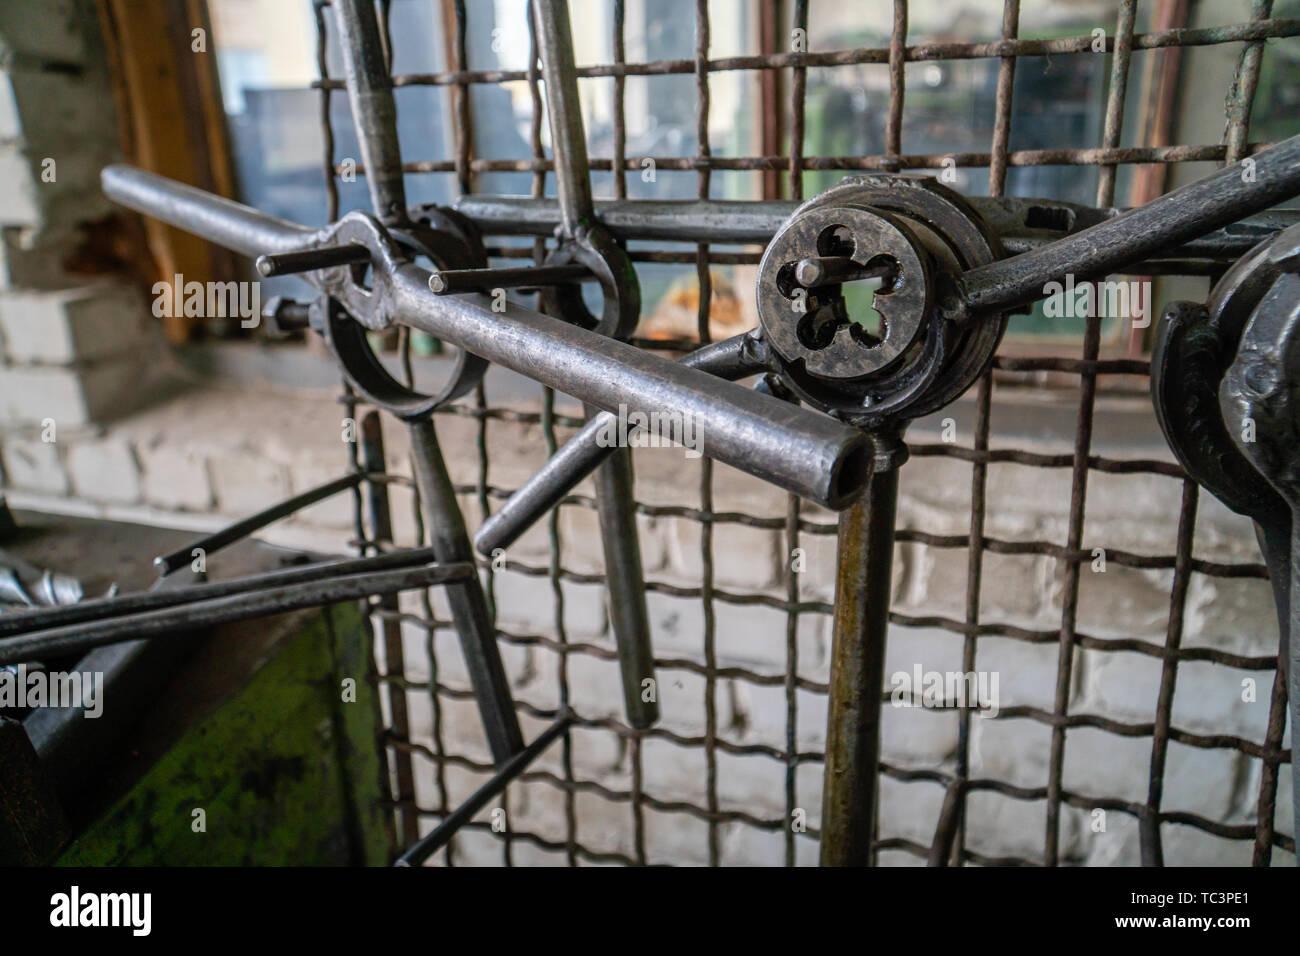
point(77, 345)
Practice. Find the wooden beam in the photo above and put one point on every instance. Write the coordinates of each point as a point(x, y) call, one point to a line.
point(171, 122)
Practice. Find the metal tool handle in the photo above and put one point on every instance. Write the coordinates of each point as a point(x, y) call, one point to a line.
point(374, 116)
point(798, 449)
point(227, 223)
point(1229, 194)
point(625, 581)
point(469, 611)
point(176, 594)
point(757, 221)
point(585, 452)
point(568, 138)
point(621, 544)
point(240, 605)
point(374, 113)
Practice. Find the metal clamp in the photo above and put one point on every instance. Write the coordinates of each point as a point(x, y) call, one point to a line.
point(345, 333)
point(1262, 389)
point(900, 230)
point(593, 248)
point(797, 449)
point(1224, 383)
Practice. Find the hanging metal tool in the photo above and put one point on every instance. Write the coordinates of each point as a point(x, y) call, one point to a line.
point(961, 313)
point(375, 116)
point(1192, 218)
point(585, 252)
point(1225, 382)
point(1022, 223)
point(1262, 389)
point(583, 242)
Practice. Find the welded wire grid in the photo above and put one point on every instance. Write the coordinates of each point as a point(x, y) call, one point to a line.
point(1088, 367)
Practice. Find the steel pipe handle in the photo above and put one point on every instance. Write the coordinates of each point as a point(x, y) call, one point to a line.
point(229, 224)
point(1253, 185)
point(239, 606)
point(800, 450)
point(584, 453)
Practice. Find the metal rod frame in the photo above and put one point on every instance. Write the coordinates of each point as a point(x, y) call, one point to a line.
point(865, 530)
point(708, 220)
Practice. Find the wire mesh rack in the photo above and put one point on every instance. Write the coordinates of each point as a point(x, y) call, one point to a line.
point(1081, 363)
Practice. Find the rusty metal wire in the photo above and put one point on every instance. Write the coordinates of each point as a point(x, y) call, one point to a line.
point(1086, 366)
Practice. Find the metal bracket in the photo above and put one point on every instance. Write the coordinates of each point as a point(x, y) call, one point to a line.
point(1223, 381)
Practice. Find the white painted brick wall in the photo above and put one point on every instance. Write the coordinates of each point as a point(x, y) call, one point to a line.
point(175, 477)
point(80, 324)
point(105, 470)
point(20, 204)
point(73, 351)
point(54, 34)
point(31, 260)
point(248, 484)
point(32, 394)
point(31, 464)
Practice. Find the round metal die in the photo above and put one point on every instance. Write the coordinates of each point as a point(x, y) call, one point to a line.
point(796, 320)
